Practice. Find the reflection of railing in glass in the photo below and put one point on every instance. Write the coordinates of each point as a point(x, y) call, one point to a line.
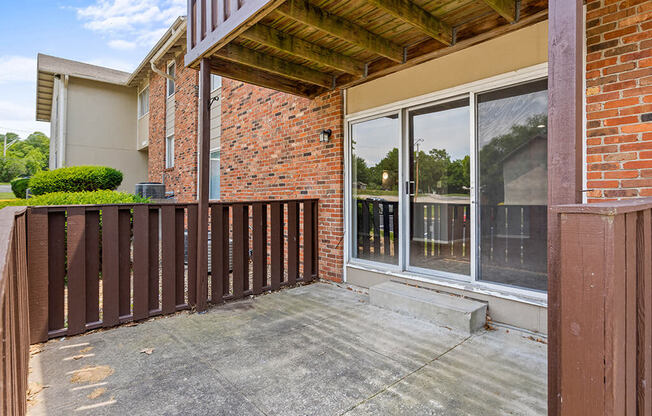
point(377, 236)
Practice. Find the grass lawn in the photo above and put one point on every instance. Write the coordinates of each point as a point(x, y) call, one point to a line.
point(7, 195)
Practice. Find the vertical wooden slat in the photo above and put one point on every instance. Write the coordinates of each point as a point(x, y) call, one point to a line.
point(192, 255)
point(110, 266)
point(220, 252)
point(386, 236)
point(309, 240)
point(217, 16)
point(168, 259)
point(192, 16)
point(76, 270)
point(260, 247)
point(141, 262)
point(277, 245)
point(92, 237)
point(395, 227)
point(293, 242)
point(154, 262)
point(124, 237)
point(240, 248)
point(644, 302)
point(366, 246)
point(590, 249)
point(199, 22)
point(631, 320)
point(38, 276)
point(56, 257)
point(179, 248)
point(376, 224)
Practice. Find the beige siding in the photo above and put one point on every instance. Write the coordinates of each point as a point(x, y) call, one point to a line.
point(143, 132)
point(169, 116)
point(102, 129)
point(216, 119)
point(521, 49)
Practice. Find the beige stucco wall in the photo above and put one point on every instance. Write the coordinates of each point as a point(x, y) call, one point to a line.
point(102, 129)
point(516, 50)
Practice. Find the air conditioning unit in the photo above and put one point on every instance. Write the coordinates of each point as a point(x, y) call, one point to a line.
point(152, 190)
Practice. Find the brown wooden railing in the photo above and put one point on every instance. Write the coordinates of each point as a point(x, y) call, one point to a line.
point(212, 22)
point(101, 265)
point(606, 308)
point(14, 321)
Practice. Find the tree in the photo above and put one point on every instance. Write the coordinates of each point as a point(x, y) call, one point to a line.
point(24, 157)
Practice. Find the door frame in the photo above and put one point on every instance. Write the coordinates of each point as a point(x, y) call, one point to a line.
point(471, 89)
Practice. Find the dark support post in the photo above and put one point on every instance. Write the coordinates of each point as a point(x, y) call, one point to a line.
point(202, 196)
point(565, 74)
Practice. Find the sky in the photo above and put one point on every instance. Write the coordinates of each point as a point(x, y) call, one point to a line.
point(112, 33)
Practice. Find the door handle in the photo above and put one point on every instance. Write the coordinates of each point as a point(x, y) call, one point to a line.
point(409, 188)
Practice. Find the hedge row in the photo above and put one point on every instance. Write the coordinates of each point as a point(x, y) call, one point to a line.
point(75, 179)
point(77, 198)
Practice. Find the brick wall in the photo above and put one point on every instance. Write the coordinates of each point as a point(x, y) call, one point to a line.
point(271, 150)
point(182, 178)
point(619, 99)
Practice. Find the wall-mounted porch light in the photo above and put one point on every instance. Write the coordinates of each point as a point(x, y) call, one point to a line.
point(325, 135)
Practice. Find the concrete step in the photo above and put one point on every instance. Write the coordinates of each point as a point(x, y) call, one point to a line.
point(443, 309)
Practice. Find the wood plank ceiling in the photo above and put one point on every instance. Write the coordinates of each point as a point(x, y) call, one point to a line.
point(308, 48)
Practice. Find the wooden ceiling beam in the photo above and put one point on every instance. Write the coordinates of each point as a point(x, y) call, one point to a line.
point(417, 17)
point(300, 48)
point(505, 8)
point(308, 14)
point(265, 79)
point(236, 53)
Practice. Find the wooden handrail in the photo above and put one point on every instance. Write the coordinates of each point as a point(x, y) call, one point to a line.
point(14, 321)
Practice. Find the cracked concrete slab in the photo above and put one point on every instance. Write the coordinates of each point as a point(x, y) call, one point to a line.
point(312, 350)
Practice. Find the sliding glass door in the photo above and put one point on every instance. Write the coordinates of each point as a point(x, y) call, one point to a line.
point(375, 145)
point(471, 174)
point(513, 185)
point(440, 187)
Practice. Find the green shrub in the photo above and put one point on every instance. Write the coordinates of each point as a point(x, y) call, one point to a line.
point(75, 179)
point(78, 198)
point(19, 187)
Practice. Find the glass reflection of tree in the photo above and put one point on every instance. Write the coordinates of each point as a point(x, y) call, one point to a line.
point(437, 172)
point(492, 155)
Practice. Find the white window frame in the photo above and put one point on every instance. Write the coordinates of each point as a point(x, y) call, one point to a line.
point(141, 115)
point(169, 152)
point(471, 90)
point(169, 81)
point(213, 89)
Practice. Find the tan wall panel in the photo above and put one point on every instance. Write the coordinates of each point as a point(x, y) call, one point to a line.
point(143, 132)
point(102, 129)
point(516, 50)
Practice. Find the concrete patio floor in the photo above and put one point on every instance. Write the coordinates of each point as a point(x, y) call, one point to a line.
point(313, 350)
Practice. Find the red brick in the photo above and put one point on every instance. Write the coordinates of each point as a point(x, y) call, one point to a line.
point(637, 128)
point(620, 121)
point(626, 102)
point(637, 164)
point(621, 174)
point(602, 184)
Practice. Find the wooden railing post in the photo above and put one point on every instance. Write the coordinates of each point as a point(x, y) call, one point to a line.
point(37, 273)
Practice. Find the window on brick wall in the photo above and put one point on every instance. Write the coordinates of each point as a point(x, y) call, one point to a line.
point(215, 174)
point(171, 72)
point(169, 152)
point(143, 102)
point(216, 82)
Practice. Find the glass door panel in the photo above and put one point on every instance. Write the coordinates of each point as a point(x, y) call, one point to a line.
point(439, 187)
point(375, 189)
point(513, 185)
